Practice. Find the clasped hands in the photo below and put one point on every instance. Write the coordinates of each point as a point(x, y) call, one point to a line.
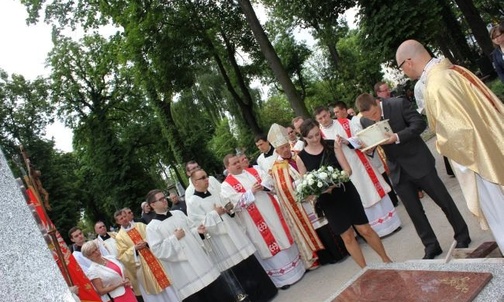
point(257, 187)
point(223, 210)
point(126, 282)
point(180, 233)
point(140, 245)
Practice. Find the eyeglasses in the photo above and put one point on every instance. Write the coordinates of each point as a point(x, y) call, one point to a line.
point(400, 65)
point(160, 199)
point(193, 168)
point(202, 177)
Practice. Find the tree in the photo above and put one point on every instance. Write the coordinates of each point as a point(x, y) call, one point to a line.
point(452, 35)
point(386, 24)
point(321, 16)
point(223, 142)
point(475, 22)
point(272, 58)
point(25, 111)
point(95, 94)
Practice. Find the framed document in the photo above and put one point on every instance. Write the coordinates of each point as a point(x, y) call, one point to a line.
point(374, 135)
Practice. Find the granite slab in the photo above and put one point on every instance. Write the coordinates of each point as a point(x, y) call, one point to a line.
point(28, 271)
point(414, 285)
point(493, 291)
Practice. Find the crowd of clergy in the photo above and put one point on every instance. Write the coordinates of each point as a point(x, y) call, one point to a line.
point(248, 236)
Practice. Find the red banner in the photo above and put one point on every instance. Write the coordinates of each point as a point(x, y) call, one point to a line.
point(68, 265)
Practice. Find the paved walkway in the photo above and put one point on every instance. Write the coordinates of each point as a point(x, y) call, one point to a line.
point(318, 285)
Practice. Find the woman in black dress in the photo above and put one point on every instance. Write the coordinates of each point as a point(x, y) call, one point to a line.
point(341, 205)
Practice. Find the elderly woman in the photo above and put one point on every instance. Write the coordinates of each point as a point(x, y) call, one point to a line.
point(107, 275)
point(497, 36)
point(147, 212)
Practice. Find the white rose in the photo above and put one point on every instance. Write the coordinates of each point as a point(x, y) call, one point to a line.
point(311, 181)
point(323, 175)
point(343, 173)
point(335, 175)
point(310, 176)
point(330, 169)
point(319, 184)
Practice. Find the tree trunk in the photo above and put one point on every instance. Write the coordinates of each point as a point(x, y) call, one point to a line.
point(245, 109)
point(334, 54)
point(273, 59)
point(458, 42)
point(441, 42)
point(244, 102)
point(168, 126)
point(476, 25)
point(231, 52)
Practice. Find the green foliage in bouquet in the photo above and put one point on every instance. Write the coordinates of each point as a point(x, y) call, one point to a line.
point(317, 181)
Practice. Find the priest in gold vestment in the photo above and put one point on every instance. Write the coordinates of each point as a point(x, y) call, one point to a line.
point(146, 273)
point(468, 120)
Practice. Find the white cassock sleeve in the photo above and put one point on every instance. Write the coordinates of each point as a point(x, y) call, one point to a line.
point(199, 215)
point(162, 241)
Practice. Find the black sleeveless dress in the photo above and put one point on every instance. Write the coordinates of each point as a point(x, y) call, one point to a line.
point(342, 207)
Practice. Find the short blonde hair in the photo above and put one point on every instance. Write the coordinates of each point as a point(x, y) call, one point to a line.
point(88, 248)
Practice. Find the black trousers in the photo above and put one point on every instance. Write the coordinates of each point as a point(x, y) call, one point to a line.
point(391, 194)
point(432, 185)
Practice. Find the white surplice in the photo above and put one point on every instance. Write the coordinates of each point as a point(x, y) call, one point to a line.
point(380, 211)
point(184, 259)
point(228, 238)
point(285, 267)
point(109, 246)
point(265, 163)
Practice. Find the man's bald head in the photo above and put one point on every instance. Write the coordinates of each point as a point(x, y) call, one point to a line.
point(411, 57)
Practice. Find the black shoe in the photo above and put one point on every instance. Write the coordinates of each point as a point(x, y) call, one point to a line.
point(433, 253)
point(463, 244)
point(285, 287)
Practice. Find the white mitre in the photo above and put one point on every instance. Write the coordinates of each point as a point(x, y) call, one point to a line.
point(277, 136)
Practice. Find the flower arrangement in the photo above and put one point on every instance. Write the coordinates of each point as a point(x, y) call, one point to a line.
point(317, 181)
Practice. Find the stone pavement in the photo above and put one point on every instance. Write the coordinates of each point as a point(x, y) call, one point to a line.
point(320, 284)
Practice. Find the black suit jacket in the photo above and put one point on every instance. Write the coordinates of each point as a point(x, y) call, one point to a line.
point(411, 155)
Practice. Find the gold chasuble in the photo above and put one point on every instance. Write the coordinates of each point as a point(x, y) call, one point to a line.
point(468, 119)
point(304, 234)
point(143, 266)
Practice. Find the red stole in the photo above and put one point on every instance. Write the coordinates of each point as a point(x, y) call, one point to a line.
point(257, 217)
point(284, 182)
point(151, 260)
point(345, 123)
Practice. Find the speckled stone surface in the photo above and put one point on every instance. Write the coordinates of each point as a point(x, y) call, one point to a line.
point(414, 285)
point(493, 291)
point(28, 272)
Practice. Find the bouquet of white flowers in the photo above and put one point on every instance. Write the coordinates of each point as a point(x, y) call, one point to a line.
point(317, 181)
